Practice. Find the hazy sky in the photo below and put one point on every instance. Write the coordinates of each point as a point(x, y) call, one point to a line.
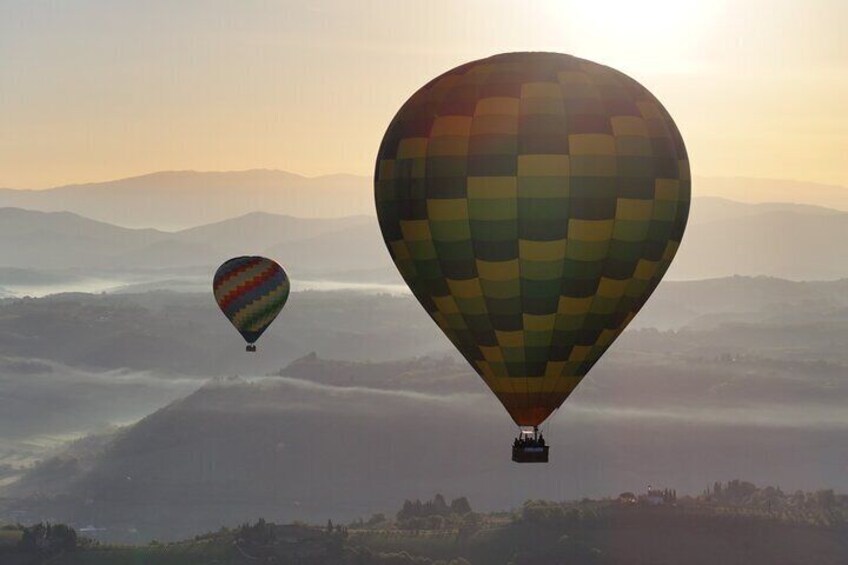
point(94, 90)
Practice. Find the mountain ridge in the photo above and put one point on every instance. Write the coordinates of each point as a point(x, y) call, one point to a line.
point(177, 173)
point(174, 200)
point(724, 238)
point(179, 199)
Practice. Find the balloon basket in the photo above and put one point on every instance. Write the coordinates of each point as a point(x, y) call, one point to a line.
point(250, 349)
point(536, 454)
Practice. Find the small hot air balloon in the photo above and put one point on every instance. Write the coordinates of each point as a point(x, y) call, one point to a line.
point(532, 202)
point(250, 291)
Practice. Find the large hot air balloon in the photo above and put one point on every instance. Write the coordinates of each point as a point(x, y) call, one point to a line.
point(532, 202)
point(250, 291)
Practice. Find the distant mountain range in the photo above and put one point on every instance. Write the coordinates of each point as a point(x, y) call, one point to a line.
point(753, 190)
point(180, 199)
point(175, 200)
point(785, 241)
point(724, 238)
point(66, 241)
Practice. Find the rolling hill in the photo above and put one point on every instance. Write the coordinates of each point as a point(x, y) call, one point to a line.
point(65, 241)
point(749, 382)
point(296, 448)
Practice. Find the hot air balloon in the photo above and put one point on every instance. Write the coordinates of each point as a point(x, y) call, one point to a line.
point(250, 291)
point(532, 202)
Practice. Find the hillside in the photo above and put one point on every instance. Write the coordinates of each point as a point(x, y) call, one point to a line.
point(186, 333)
point(737, 523)
point(236, 449)
point(76, 364)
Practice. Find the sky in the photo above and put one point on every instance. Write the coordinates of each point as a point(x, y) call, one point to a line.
point(96, 90)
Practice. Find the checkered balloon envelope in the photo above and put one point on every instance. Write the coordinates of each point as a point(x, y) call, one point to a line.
point(532, 202)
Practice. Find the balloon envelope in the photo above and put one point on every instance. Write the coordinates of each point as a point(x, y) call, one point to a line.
point(250, 291)
point(532, 202)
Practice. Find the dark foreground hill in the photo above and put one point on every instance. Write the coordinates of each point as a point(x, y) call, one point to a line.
point(736, 523)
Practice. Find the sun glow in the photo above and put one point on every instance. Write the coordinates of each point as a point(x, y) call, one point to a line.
point(654, 35)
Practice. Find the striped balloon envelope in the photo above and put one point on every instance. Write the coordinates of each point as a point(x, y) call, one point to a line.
point(251, 291)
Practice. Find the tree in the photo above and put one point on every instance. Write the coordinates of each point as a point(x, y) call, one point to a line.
point(440, 506)
point(825, 499)
point(409, 510)
point(377, 518)
point(48, 538)
point(460, 506)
